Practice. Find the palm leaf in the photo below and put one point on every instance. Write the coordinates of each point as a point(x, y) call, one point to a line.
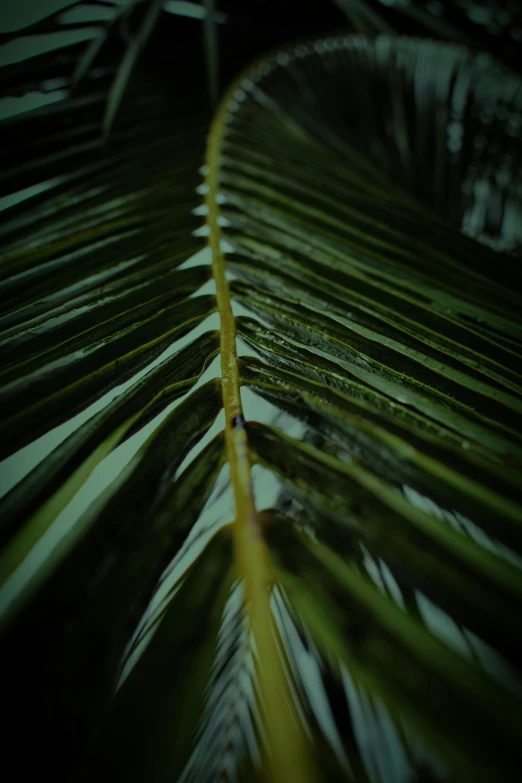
point(161, 620)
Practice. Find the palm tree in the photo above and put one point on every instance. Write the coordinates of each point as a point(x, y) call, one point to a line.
point(261, 403)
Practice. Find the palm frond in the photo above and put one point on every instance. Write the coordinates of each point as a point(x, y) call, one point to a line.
point(362, 213)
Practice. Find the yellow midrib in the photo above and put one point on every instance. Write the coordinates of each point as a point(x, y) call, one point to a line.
point(288, 757)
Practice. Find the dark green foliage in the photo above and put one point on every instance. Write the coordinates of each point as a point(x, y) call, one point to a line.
point(369, 195)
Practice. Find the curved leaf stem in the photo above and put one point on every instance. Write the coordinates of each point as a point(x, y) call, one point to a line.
point(288, 757)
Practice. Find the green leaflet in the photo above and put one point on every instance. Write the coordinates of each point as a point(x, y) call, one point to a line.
point(67, 297)
point(110, 315)
point(162, 696)
point(88, 57)
point(101, 260)
point(454, 478)
point(288, 355)
point(145, 399)
point(84, 616)
point(394, 656)
point(230, 702)
point(145, 479)
point(128, 63)
point(184, 501)
point(25, 47)
point(109, 362)
point(358, 355)
point(461, 575)
point(23, 16)
point(447, 347)
point(376, 353)
point(366, 268)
